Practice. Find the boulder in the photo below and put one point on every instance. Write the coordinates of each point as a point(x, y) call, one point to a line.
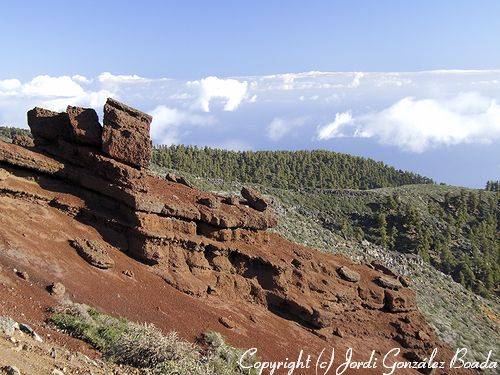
point(84, 126)
point(7, 326)
point(172, 177)
point(254, 199)
point(404, 281)
point(387, 282)
point(347, 274)
point(22, 140)
point(30, 331)
point(397, 302)
point(56, 289)
point(210, 201)
point(48, 126)
point(10, 370)
point(129, 273)
point(232, 200)
point(125, 134)
point(93, 252)
point(226, 322)
point(339, 332)
point(379, 266)
point(23, 275)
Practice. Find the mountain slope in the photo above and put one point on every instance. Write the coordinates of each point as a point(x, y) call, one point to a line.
point(458, 315)
point(285, 169)
point(456, 230)
point(159, 251)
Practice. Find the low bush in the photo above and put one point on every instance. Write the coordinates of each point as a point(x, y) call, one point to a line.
point(145, 346)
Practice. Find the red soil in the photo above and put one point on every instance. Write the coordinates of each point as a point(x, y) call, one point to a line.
point(278, 319)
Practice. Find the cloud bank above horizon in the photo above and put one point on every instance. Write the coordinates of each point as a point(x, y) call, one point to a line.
point(412, 111)
point(408, 112)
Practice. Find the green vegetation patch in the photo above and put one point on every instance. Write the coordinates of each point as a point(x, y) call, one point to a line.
point(146, 347)
point(284, 169)
point(455, 230)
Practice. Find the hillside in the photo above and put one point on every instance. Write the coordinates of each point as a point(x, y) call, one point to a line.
point(459, 316)
point(285, 169)
point(453, 229)
point(95, 245)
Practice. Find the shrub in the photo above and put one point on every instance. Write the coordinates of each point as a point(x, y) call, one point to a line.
point(145, 346)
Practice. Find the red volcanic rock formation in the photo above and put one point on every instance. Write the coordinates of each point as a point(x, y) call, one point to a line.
point(126, 134)
point(48, 126)
point(85, 127)
point(254, 199)
point(202, 255)
point(77, 125)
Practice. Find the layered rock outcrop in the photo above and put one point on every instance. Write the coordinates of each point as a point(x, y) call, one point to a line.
point(126, 134)
point(205, 245)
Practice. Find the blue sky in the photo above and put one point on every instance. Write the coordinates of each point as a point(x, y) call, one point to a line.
point(412, 83)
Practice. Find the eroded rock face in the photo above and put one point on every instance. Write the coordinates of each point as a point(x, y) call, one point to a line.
point(85, 127)
point(254, 199)
point(347, 274)
point(93, 252)
point(388, 282)
point(48, 126)
point(397, 302)
point(133, 188)
point(22, 140)
point(126, 134)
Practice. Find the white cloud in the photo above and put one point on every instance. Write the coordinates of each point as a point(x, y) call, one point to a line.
point(9, 85)
point(279, 127)
point(180, 96)
point(54, 93)
point(312, 97)
point(96, 99)
point(93, 99)
point(45, 85)
point(422, 120)
point(288, 80)
point(230, 89)
point(165, 128)
point(334, 128)
point(81, 79)
point(107, 77)
point(357, 79)
point(417, 125)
